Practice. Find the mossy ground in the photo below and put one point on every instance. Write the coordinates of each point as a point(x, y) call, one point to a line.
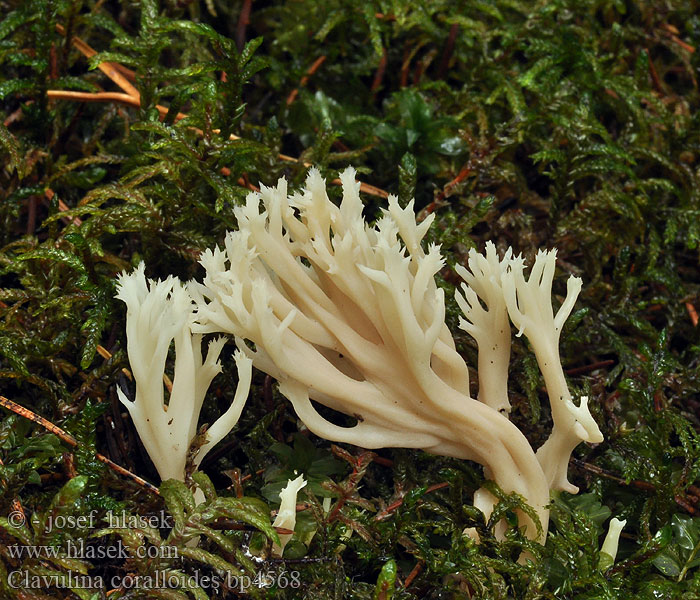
point(573, 124)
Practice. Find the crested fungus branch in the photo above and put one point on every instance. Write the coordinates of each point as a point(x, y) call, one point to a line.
point(490, 326)
point(348, 315)
point(157, 313)
point(530, 309)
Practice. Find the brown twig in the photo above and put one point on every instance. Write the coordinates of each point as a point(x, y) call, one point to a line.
point(71, 441)
point(692, 313)
point(397, 503)
point(305, 79)
point(243, 21)
point(364, 187)
point(122, 471)
point(243, 181)
point(447, 52)
point(422, 65)
point(589, 368)
point(683, 503)
point(638, 483)
point(385, 462)
point(687, 47)
point(48, 425)
point(464, 172)
point(414, 573)
point(95, 97)
point(16, 115)
point(31, 215)
point(62, 206)
point(237, 481)
point(106, 354)
point(379, 73)
point(405, 64)
point(126, 71)
point(654, 75)
point(108, 68)
point(642, 485)
point(670, 28)
point(132, 97)
point(120, 97)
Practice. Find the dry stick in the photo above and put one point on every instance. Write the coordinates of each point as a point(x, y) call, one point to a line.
point(589, 368)
point(638, 483)
point(163, 110)
point(71, 441)
point(131, 101)
point(394, 505)
point(379, 74)
point(243, 21)
point(106, 354)
point(304, 80)
point(654, 75)
point(31, 214)
point(62, 206)
point(404, 66)
point(414, 573)
point(687, 47)
point(109, 69)
point(95, 97)
point(16, 115)
point(132, 97)
point(670, 28)
point(447, 52)
point(126, 71)
point(464, 172)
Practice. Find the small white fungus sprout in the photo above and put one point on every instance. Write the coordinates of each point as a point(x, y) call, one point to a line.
point(609, 550)
point(287, 514)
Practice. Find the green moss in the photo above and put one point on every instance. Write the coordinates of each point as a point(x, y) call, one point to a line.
point(565, 123)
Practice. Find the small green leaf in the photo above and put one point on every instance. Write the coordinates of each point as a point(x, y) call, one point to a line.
point(8, 141)
point(384, 590)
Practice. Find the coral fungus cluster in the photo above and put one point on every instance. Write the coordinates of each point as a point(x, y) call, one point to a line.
point(348, 315)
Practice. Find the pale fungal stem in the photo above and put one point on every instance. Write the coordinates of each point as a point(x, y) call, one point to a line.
point(608, 552)
point(530, 308)
point(287, 514)
point(157, 313)
point(490, 327)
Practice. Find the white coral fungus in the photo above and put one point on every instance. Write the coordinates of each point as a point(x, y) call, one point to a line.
point(349, 315)
point(157, 313)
